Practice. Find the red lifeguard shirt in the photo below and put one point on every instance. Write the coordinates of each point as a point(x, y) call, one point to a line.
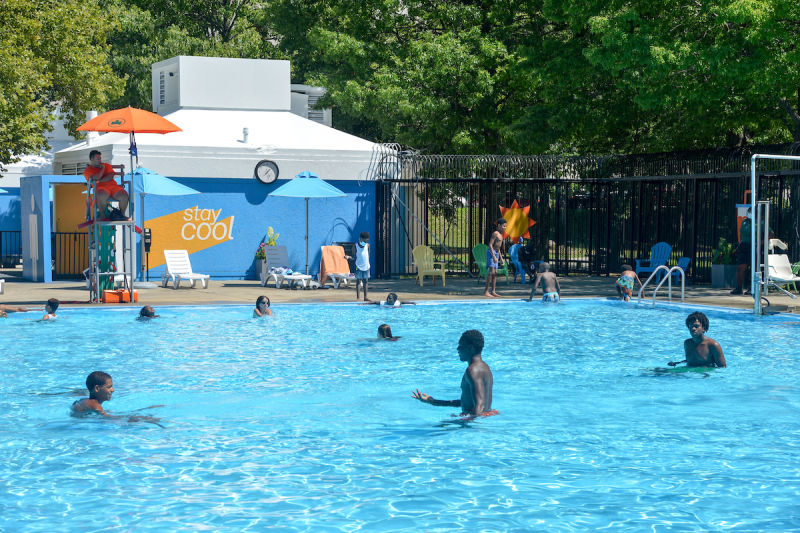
point(110, 186)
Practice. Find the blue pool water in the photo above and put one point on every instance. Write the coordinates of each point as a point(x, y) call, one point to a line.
point(304, 423)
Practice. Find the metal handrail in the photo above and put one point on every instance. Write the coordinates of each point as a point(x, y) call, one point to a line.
point(668, 279)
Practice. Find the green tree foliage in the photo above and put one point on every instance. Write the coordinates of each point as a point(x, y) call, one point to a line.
point(632, 76)
point(433, 75)
point(52, 56)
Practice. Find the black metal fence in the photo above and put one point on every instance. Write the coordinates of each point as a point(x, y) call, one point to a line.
point(592, 213)
point(70, 254)
point(10, 248)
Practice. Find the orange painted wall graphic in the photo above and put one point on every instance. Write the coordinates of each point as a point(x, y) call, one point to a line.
point(191, 229)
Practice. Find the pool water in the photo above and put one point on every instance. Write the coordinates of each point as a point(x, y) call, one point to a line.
point(304, 422)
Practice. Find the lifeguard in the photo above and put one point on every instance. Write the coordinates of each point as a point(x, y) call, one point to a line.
point(105, 186)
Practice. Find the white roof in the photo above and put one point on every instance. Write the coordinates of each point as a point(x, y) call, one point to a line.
point(212, 145)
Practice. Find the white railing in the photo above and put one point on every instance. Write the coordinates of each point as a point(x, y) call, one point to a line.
point(668, 279)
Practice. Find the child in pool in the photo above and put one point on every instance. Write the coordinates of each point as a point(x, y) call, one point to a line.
point(262, 307)
point(50, 309)
point(551, 290)
point(385, 333)
point(625, 282)
point(101, 387)
point(146, 313)
point(392, 300)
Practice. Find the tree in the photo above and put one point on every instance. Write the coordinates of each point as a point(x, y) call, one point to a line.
point(434, 75)
point(632, 76)
point(52, 59)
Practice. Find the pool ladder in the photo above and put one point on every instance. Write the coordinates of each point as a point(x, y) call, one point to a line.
point(668, 279)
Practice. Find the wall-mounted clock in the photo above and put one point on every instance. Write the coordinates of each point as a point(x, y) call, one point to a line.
point(266, 171)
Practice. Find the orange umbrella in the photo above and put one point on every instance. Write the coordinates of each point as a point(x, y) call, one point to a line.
point(129, 120)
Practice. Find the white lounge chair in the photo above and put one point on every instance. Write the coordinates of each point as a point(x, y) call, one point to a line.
point(278, 257)
point(334, 265)
point(780, 273)
point(180, 268)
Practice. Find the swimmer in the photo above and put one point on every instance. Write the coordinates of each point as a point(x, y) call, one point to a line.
point(50, 309)
point(476, 383)
point(700, 350)
point(146, 313)
point(101, 387)
point(262, 307)
point(385, 333)
point(551, 290)
point(392, 300)
point(625, 282)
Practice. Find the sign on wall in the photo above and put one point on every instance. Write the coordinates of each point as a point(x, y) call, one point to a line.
point(192, 229)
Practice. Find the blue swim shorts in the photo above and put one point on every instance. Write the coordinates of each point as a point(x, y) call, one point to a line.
point(491, 262)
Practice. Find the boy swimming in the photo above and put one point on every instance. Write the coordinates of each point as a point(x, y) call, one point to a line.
point(101, 387)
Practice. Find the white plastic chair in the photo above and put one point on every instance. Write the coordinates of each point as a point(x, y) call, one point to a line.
point(278, 257)
point(780, 272)
point(180, 268)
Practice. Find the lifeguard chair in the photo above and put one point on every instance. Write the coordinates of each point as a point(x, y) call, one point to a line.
point(111, 245)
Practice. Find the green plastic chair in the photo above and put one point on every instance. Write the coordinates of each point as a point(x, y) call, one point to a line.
point(479, 254)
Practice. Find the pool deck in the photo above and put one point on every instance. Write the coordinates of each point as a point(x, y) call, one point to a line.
point(25, 293)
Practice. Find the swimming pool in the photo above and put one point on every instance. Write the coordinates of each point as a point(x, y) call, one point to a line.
point(303, 422)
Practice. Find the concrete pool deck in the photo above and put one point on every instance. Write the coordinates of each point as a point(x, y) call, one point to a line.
point(25, 293)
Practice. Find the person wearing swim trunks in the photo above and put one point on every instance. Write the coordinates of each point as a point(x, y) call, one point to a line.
point(551, 290)
point(106, 188)
point(701, 350)
point(101, 387)
point(476, 383)
point(625, 282)
point(494, 258)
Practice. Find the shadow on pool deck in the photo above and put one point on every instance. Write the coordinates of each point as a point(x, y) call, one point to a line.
point(20, 292)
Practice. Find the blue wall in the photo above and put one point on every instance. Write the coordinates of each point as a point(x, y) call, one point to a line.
point(10, 209)
point(329, 220)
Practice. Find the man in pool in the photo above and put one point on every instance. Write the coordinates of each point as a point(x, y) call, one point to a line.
point(101, 387)
point(476, 384)
point(701, 350)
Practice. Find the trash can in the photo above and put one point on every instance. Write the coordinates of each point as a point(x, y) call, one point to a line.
point(350, 250)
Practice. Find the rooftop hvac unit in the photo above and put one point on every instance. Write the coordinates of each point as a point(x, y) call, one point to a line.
point(304, 99)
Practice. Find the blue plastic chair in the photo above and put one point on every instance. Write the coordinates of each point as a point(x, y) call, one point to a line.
point(683, 262)
point(659, 255)
point(513, 253)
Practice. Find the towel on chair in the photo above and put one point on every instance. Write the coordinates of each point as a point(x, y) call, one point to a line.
point(333, 262)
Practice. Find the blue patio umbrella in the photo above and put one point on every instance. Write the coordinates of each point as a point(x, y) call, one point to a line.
point(307, 185)
point(146, 181)
point(3, 191)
